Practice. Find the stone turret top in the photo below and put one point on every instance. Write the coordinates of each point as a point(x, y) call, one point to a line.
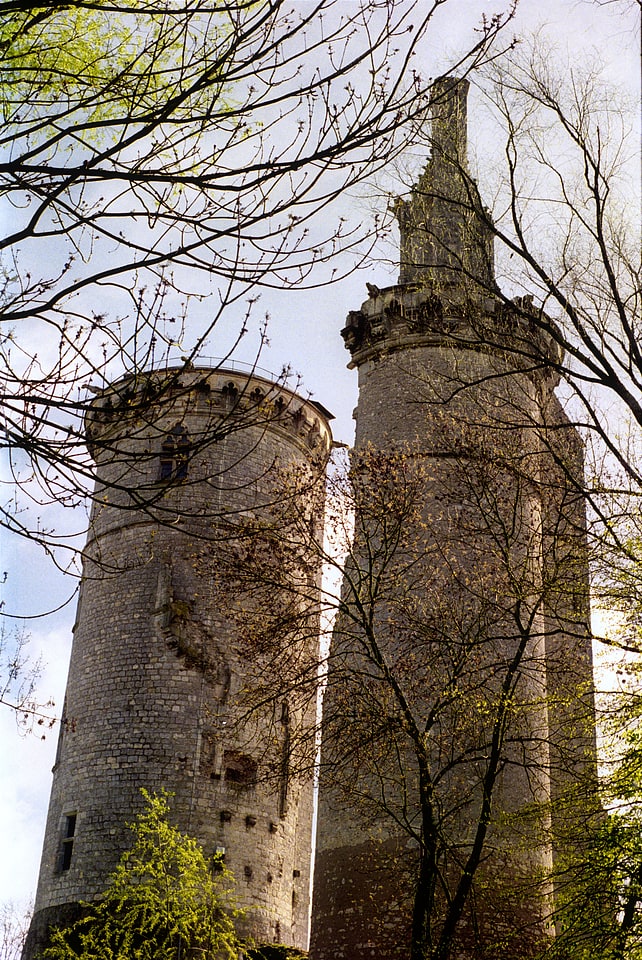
point(446, 241)
point(447, 293)
point(139, 404)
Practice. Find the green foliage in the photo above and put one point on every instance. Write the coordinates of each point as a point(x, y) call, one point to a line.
point(599, 883)
point(275, 951)
point(102, 63)
point(599, 894)
point(163, 902)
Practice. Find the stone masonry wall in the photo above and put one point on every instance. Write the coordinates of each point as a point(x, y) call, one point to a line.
point(468, 419)
point(154, 682)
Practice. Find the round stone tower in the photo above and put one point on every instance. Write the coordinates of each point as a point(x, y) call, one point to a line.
point(156, 681)
point(476, 708)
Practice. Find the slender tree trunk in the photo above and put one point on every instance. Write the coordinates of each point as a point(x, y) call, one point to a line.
point(424, 899)
point(629, 913)
point(444, 946)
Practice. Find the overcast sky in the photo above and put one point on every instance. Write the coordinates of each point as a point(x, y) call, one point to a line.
point(304, 331)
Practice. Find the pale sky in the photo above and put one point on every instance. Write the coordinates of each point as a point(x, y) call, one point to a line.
point(305, 333)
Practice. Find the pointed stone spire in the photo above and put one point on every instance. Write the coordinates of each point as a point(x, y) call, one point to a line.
point(444, 240)
point(449, 122)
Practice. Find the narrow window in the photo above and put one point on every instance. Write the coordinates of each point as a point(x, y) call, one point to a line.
point(174, 455)
point(61, 733)
point(182, 455)
point(285, 759)
point(218, 859)
point(69, 831)
point(167, 460)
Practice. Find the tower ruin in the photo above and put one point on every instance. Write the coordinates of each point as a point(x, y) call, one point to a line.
point(156, 679)
point(460, 674)
point(458, 717)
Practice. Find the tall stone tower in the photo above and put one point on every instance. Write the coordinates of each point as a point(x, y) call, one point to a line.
point(458, 718)
point(154, 694)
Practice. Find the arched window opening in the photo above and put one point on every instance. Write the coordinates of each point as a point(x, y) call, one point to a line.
point(230, 393)
point(174, 457)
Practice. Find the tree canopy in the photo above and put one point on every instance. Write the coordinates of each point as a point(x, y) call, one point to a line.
point(156, 156)
point(164, 901)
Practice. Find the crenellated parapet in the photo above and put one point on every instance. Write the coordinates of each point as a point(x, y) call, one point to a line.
point(221, 394)
point(407, 315)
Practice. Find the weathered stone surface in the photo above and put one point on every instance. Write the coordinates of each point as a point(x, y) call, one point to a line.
point(154, 690)
point(457, 382)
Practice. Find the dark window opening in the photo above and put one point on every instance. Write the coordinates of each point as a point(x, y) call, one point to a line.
point(285, 763)
point(230, 393)
point(67, 847)
point(61, 733)
point(283, 788)
point(174, 456)
point(239, 768)
point(218, 859)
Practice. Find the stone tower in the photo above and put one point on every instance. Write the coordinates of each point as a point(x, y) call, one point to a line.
point(458, 718)
point(155, 682)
